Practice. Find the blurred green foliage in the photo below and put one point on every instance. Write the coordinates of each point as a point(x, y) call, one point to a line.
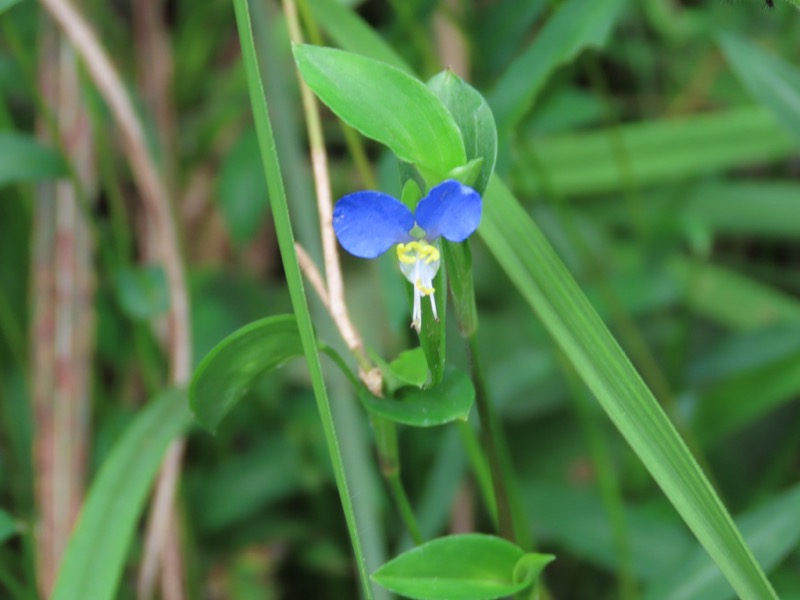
point(660, 158)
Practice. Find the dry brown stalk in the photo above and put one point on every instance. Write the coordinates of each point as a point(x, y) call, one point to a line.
point(156, 201)
point(62, 337)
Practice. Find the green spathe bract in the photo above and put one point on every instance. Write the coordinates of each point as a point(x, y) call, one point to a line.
point(474, 119)
point(471, 566)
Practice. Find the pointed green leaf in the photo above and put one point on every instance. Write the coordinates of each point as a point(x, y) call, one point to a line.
point(229, 370)
point(472, 566)
point(117, 496)
point(447, 401)
point(385, 104)
point(527, 257)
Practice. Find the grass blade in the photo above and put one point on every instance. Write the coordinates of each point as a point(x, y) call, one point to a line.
point(772, 81)
point(772, 530)
point(576, 25)
point(660, 152)
point(351, 33)
point(283, 229)
point(526, 256)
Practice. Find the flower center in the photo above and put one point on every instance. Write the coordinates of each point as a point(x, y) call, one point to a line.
point(419, 262)
point(420, 250)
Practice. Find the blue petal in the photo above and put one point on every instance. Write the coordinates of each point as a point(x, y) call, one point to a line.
point(451, 210)
point(369, 223)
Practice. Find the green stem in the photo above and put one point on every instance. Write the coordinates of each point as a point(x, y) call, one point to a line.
point(388, 454)
point(490, 432)
point(404, 507)
point(480, 469)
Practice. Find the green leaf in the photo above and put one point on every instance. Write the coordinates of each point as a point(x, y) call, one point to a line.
point(767, 208)
point(762, 375)
point(142, 292)
point(117, 496)
point(267, 472)
point(385, 104)
point(736, 206)
point(24, 159)
point(575, 520)
point(771, 80)
point(471, 566)
point(530, 262)
point(577, 24)
point(664, 151)
point(447, 401)
point(409, 368)
point(243, 190)
point(474, 119)
point(8, 526)
point(772, 531)
point(730, 298)
point(229, 370)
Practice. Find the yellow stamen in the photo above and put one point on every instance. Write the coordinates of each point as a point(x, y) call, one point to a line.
point(422, 249)
point(425, 291)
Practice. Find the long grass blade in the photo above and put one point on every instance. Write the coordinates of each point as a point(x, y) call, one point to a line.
point(526, 256)
point(283, 227)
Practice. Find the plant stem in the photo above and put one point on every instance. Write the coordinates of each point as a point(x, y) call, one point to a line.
point(490, 433)
point(404, 506)
point(480, 469)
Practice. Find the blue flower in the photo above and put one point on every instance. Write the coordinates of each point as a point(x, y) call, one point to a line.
point(369, 223)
